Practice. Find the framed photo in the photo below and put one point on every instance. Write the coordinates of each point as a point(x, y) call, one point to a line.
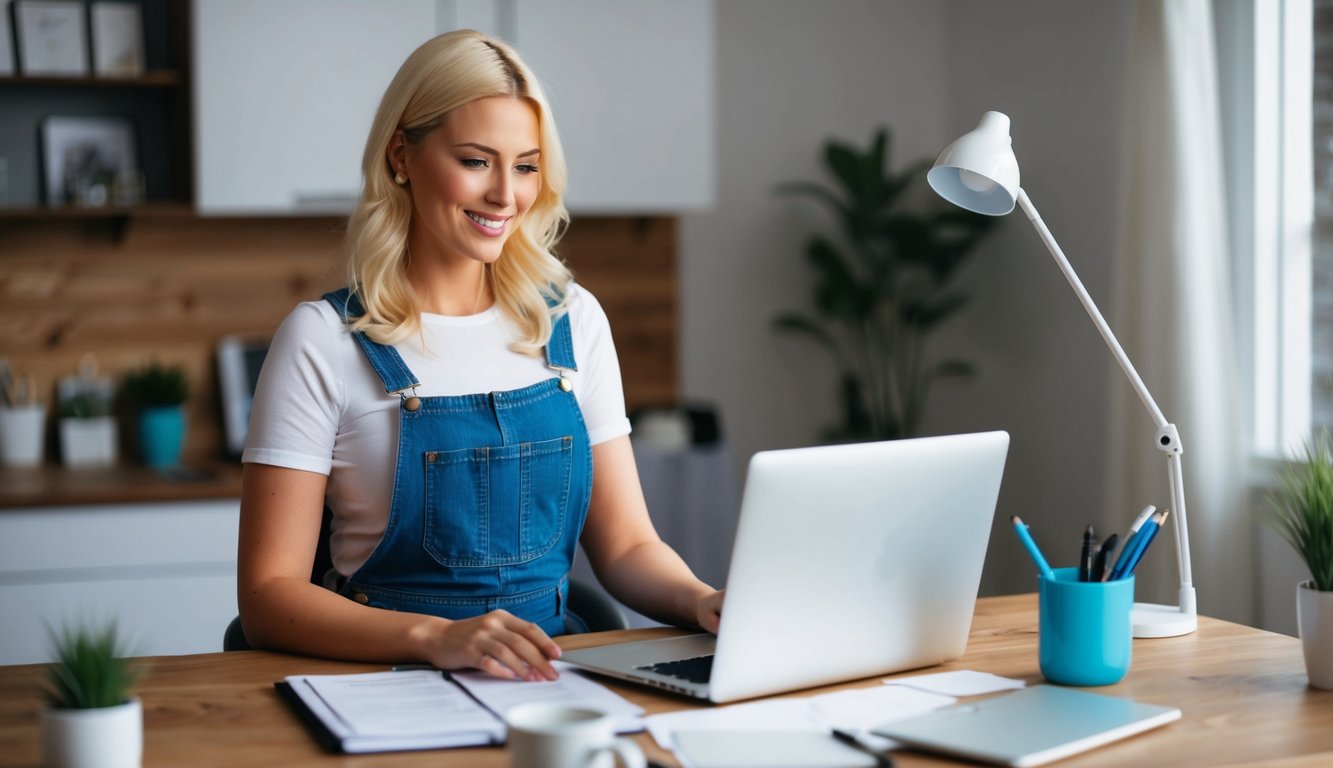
point(6, 50)
point(84, 157)
point(117, 39)
point(52, 37)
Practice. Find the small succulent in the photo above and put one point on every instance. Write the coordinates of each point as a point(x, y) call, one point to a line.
point(91, 670)
point(84, 405)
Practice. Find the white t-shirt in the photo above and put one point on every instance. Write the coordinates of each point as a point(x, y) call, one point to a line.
point(320, 407)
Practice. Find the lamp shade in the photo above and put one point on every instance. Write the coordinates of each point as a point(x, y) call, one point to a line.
point(979, 171)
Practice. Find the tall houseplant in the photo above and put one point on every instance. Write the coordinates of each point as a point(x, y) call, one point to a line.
point(91, 719)
point(884, 282)
point(1301, 511)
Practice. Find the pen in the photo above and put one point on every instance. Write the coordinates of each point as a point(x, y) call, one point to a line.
point(1134, 528)
point(850, 739)
point(1101, 564)
point(1085, 556)
point(1021, 529)
point(1130, 543)
point(1148, 533)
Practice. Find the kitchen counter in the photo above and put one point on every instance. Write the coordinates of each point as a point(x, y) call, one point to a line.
point(51, 485)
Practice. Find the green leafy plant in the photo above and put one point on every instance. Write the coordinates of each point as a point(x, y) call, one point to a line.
point(85, 405)
point(884, 283)
point(90, 670)
point(156, 385)
point(1301, 511)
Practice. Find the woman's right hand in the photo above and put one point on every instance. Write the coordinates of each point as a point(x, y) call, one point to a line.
point(497, 643)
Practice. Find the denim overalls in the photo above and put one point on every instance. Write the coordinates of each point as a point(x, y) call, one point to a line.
point(490, 494)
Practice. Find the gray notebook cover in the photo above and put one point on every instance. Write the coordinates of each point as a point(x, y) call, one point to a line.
point(1029, 727)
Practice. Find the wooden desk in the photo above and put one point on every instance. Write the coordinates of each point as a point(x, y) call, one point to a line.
point(1243, 692)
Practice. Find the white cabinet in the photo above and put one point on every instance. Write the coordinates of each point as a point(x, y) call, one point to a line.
point(165, 572)
point(284, 93)
point(631, 83)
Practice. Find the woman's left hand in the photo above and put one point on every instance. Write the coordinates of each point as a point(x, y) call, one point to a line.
point(708, 612)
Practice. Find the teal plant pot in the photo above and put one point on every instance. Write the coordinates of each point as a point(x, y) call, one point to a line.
point(161, 435)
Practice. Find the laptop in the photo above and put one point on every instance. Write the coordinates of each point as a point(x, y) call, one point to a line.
point(849, 561)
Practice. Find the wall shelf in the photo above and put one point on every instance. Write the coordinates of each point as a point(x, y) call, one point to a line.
point(157, 78)
point(50, 213)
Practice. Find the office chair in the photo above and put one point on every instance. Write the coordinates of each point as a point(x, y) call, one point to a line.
point(586, 610)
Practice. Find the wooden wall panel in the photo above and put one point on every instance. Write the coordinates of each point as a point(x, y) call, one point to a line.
point(166, 288)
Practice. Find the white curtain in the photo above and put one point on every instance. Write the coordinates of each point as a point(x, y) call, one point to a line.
point(1173, 313)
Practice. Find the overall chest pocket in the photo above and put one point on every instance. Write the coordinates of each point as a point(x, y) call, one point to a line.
point(497, 505)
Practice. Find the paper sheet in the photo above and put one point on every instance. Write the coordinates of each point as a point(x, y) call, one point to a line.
point(963, 682)
point(573, 689)
point(858, 709)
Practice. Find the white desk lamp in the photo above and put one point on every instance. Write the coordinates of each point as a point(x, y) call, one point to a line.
point(980, 173)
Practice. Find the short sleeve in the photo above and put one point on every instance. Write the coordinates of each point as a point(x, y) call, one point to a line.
point(298, 399)
point(601, 394)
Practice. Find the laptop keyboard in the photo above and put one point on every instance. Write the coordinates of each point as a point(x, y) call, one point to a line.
point(695, 670)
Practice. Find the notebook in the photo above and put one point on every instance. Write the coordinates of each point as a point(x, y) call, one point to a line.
point(849, 561)
point(430, 709)
point(1030, 727)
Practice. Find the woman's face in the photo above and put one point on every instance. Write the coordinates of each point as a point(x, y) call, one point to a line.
point(472, 178)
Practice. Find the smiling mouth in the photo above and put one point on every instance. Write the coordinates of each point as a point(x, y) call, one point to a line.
point(485, 222)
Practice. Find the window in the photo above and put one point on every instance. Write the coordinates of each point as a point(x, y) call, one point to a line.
point(1284, 292)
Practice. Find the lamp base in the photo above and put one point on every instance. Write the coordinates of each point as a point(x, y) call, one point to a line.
point(1152, 620)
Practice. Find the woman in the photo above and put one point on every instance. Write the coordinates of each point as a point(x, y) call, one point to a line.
point(459, 408)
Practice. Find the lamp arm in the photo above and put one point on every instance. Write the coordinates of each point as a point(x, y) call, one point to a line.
point(1167, 439)
point(1116, 350)
point(1187, 595)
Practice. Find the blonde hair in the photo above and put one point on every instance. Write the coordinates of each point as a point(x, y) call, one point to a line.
point(528, 280)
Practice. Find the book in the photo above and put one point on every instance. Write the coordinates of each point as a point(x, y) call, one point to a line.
point(430, 709)
point(1030, 727)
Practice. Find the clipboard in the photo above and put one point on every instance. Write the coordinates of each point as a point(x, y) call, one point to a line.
point(1030, 727)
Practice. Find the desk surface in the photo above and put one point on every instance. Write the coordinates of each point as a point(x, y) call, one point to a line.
point(1243, 692)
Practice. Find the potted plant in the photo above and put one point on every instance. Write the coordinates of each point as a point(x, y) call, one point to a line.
point(884, 283)
point(157, 393)
point(1301, 511)
point(91, 719)
point(22, 419)
point(87, 427)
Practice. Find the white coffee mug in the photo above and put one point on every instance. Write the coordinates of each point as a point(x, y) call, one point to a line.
point(544, 735)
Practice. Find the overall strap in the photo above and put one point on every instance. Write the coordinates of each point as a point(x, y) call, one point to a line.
point(393, 372)
point(560, 347)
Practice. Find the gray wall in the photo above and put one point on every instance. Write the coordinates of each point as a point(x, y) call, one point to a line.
point(793, 73)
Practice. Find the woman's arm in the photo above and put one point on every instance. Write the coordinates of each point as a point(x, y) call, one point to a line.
point(627, 555)
point(280, 608)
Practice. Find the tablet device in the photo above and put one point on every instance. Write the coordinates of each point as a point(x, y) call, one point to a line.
point(1033, 726)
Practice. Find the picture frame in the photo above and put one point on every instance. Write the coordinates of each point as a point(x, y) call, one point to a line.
point(85, 157)
point(117, 35)
point(6, 48)
point(52, 37)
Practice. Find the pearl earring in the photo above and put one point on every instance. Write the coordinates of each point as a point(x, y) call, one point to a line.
point(399, 179)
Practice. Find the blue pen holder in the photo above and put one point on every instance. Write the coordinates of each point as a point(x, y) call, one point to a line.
point(1085, 633)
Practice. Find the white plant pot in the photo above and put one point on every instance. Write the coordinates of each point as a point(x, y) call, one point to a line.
point(106, 737)
point(88, 442)
point(22, 433)
point(1314, 617)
